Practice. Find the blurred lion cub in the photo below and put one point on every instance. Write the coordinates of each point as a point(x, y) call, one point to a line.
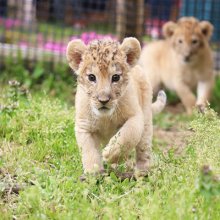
point(113, 103)
point(183, 61)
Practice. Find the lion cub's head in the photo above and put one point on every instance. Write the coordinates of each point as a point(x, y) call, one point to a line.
point(188, 37)
point(103, 68)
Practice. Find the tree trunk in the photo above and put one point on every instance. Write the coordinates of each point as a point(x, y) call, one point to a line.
point(130, 18)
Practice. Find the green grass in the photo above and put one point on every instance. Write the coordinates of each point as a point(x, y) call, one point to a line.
point(39, 153)
point(56, 80)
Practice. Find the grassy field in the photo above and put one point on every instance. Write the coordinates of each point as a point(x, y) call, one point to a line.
point(40, 166)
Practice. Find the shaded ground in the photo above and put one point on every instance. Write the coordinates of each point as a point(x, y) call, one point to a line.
point(174, 138)
point(175, 134)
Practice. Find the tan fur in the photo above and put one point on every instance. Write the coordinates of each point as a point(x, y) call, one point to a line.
point(127, 123)
point(183, 61)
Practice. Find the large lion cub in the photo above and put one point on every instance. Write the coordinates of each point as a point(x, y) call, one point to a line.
point(183, 61)
point(113, 103)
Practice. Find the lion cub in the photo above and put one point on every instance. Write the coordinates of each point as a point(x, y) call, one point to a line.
point(113, 102)
point(183, 61)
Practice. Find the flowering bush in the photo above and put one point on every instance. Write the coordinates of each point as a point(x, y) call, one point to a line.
point(60, 47)
point(12, 26)
point(10, 22)
point(153, 29)
point(86, 37)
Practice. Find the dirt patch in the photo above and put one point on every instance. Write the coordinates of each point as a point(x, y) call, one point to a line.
point(176, 108)
point(9, 184)
point(174, 138)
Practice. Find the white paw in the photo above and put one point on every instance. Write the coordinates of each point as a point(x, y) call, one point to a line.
point(162, 96)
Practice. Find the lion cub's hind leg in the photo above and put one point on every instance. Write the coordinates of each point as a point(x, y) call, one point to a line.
point(143, 151)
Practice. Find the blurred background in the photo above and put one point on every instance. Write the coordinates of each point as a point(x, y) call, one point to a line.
point(34, 33)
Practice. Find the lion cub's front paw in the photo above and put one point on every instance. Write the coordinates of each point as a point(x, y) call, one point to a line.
point(111, 154)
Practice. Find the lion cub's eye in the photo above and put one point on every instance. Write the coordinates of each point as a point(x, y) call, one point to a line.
point(92, 77)
point(194, 41)
point(115, 78)
point(180, 41)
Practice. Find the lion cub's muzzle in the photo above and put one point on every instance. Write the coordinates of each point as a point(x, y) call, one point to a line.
point(103, 103)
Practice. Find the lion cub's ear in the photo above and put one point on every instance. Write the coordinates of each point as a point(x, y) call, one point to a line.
point(132, 49)
point(168, 29)
point(74, 52)
point(207, 28)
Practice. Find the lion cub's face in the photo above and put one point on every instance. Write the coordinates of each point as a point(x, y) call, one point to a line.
point(103, 70)
point(188, 37)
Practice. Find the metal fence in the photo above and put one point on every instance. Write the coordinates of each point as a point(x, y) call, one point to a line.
point(40, 29)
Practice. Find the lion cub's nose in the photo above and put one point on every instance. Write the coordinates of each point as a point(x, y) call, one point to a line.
point(104, 100)
point(186, 59)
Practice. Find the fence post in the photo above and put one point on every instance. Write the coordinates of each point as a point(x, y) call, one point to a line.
point(130, 19)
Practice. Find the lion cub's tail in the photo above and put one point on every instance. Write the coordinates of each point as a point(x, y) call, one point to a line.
point(160, 102)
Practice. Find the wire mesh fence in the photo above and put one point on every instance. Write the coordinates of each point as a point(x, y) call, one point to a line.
point(40, 29)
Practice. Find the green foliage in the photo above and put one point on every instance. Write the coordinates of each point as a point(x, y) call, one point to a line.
point(39, 151)
point(58, 80)
point(11, 98)
point(172, 97)
point(208, 184)
point(215, 98)
point(215, 101)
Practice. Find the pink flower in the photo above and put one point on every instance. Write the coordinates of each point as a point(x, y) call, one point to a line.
point(86, 37)
point(23, 44)
point(74, 38)
point(48, 46)
point(9, 23)
point(60, 47)
point(17, 23)
point(55, 46)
